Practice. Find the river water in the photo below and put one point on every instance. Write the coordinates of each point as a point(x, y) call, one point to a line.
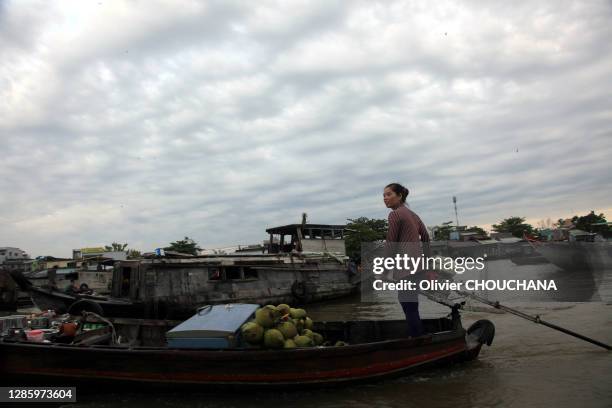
point(528, 365)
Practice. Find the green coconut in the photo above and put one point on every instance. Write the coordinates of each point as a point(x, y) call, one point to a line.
point(289, 343)
point(264, 317)
point(299, 324)
point(297, 313)
point(274, 339)
point(307, 332)
point(317, 339)
point(252, 332)
point(274, 310)
point(283, 309)
point(288, 329)
point(303, 341)
point(308, 323)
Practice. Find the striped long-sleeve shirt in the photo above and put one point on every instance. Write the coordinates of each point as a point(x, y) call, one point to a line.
point(406, 226)
point(406, 235)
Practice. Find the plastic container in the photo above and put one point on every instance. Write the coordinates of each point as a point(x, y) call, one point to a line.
point(36, 336)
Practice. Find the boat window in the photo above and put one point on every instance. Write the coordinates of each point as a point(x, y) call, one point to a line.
point(214, 273)
point(250, 273)
point(232, 272)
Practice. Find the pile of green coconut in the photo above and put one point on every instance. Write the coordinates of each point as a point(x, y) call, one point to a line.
point(277, 327)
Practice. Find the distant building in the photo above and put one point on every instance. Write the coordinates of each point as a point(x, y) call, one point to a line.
point(12, 253)
point(461, 233)
point(500, 235)
point(43, 263)
point(546, 234)
point(580, 235)
point(98, 252)
point(89, 252)
point(12, 258)
point(472, 236)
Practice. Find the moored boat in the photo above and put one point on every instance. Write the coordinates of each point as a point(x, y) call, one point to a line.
point(304, 263)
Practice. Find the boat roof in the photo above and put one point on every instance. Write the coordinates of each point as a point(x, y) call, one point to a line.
point(291, 228)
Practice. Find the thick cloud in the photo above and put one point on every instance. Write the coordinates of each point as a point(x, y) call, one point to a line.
point(143, 122)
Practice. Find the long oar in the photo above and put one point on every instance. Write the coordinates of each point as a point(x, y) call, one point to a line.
point(440, 299)
point(535, 319)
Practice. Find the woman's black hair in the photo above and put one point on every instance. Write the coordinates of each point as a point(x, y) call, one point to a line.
point(400, 190)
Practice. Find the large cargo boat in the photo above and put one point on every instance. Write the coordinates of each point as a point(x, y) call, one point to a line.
point(303, 263)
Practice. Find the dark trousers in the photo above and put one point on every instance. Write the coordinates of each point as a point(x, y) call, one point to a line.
point(411, 310)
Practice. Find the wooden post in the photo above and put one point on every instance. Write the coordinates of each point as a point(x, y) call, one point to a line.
point(299, 239)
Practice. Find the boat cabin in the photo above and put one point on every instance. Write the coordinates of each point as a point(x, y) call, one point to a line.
point(306, 238)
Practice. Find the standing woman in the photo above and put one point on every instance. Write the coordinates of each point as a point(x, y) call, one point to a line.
point(406, 228)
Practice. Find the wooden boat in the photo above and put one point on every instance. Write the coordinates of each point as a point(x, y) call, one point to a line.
point(96, 279)
point(376, 350)
point(307, 265)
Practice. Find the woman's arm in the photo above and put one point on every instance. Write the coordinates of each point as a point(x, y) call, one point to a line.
point(423, 232)
point(424, 238)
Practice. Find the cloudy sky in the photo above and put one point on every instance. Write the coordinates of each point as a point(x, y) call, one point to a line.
point(145, 121)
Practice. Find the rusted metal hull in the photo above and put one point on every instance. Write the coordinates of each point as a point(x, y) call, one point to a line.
point(173, 288)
